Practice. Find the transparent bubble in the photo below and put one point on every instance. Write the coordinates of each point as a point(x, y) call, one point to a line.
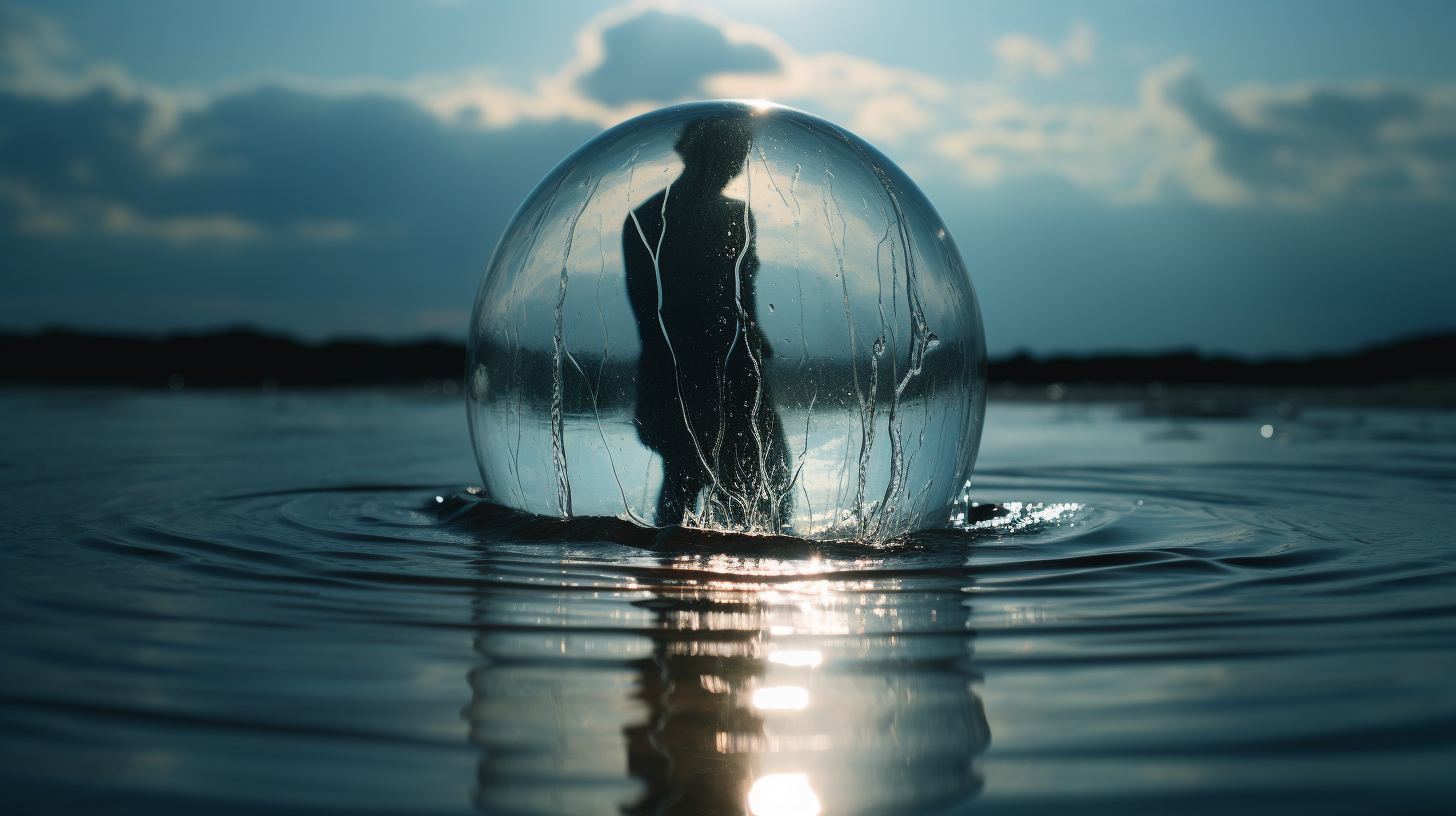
point(732, 316)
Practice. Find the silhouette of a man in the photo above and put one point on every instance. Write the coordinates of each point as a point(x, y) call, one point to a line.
point(703, 403)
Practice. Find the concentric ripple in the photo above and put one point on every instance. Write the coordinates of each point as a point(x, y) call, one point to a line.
point(1121, 619)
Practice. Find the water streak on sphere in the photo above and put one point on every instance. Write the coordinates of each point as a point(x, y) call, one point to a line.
point(733, 316)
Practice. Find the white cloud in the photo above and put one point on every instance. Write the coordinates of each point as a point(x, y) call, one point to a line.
point(121, 220)
point(1298, 146)
point(1256, 146)
point(1019, 53)
point(37, 214)
point(1309, 144)
point(880, 101)
point(1303, 145)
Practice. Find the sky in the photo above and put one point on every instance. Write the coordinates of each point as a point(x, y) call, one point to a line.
point(1263, 179)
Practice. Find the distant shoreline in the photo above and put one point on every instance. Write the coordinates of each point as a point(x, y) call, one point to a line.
point(249, 359)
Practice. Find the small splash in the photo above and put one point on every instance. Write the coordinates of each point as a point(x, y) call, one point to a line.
point(1014, 516)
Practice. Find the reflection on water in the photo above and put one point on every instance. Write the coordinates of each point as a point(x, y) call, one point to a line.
point(782, 795)
point(228, 604)
point(757, 687)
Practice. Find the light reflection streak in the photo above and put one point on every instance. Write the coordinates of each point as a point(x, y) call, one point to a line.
point(705, 704)
point(801, 657)
point(1014, 515)
point(772, 698)
point(783, 795)
point(723, 564)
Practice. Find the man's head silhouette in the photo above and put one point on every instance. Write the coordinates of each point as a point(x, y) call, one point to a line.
point(713, 149)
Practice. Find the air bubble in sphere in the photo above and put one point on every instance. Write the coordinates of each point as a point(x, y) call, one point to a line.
point(731, 316)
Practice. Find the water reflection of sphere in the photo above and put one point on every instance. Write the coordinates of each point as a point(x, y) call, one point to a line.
point(769, 690)
point(732, 316)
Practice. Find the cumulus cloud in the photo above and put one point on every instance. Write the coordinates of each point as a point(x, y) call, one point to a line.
point(1310, 144)
point(369, 205)
point(1293, 146)
point(1021, 53)
point(126, 204)
point(1298, 146)
point(656, 56)
point(700, 54)
point(297, 159)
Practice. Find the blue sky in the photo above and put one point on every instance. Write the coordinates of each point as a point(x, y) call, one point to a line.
point(1261, 178)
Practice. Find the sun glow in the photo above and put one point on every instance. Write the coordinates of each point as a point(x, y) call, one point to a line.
point(783, 795)
point(781, 698)
point(809, 657)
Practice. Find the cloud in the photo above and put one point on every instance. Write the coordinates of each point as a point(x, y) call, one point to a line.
point(29, 39)
point(99, 217)
point(1019, 53)
point(296, 159)
point(1294, 146)
point(320, 207)
point(257, 163)
point(1312, 144)
point(657, 56)
point(324, 206)
point(1298, 146)
point(619, 72)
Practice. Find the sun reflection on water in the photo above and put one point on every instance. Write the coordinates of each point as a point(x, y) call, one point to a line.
point(1011, 516)
point(796, 657)
point(783, 795)
point(724, 564)
point(792, 698)
point(735, 682)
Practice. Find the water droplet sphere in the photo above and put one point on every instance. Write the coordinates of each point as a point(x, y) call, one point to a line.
point(733, 316)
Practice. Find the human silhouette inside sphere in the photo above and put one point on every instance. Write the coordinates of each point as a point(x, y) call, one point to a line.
point(703, 403)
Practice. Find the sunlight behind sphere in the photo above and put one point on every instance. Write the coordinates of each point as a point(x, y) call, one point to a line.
point(732, 316)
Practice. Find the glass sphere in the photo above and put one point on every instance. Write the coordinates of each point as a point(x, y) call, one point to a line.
point(734, 316)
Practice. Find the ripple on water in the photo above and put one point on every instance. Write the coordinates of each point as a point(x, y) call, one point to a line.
point(1118, 635)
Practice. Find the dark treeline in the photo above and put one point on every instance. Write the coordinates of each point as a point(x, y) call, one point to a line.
point(230, 358)
point(1424, 358)
point(248, 358)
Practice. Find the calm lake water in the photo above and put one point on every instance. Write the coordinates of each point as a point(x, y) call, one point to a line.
point(232, 603)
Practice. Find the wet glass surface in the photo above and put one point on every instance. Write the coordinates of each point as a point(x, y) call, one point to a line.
point(228, 603)
point(733, 316)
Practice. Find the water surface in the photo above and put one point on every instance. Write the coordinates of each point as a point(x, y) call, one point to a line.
point(226, 603)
